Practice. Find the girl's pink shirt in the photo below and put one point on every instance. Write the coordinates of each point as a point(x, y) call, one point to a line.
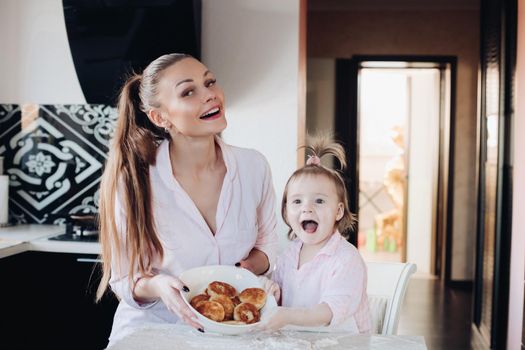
point(245, 219)
point(336, 276)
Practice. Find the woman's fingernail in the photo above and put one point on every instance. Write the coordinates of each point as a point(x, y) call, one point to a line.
point(200, 330)
point(186, 289)
point(238, 264)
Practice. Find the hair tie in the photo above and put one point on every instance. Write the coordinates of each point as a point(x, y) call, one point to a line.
point(313, 160)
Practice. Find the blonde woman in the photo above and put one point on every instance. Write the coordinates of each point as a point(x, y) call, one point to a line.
point(175, 196)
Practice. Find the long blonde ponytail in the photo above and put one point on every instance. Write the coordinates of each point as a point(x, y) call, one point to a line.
point(132, 151)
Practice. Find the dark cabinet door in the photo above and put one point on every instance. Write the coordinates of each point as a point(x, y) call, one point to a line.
point(95, 319)
point(16, 321)
point(53, 302)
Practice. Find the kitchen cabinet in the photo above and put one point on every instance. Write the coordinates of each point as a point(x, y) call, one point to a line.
point(14, 320)
point(49, 302)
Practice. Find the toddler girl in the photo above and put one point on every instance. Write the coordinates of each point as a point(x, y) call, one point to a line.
point(320, 279)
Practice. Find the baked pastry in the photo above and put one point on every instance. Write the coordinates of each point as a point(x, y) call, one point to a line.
point(212, 310)
point(255, 296)
point(199, 298)
point(216, 288)
point(246, 313)
point(226, 303)
point(236, 300)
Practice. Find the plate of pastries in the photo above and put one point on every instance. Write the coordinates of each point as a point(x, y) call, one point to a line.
point(226, 299)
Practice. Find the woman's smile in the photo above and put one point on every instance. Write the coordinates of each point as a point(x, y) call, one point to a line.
point(212, 114)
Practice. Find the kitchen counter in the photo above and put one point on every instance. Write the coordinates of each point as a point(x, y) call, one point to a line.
point(63, 313)
point(21, 238)
point(162, 336)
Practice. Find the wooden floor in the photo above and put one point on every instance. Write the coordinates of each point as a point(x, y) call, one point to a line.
point(441, 315)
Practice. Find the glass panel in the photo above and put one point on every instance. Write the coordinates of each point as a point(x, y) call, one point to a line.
point(399, 135)
point(382, 163)
point(491, 178)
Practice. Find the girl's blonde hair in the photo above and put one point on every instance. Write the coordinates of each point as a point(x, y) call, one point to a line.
point(321, 146)
point(132, 151)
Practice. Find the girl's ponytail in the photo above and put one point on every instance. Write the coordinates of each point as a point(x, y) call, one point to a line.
point(319, 147)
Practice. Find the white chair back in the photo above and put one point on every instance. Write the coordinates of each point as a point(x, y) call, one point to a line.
point(387, 283)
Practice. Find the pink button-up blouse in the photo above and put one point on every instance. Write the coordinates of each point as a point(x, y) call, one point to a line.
point(335, 276)
point(245, 219)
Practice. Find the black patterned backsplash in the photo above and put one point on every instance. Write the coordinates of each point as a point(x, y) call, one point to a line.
point(54, 156)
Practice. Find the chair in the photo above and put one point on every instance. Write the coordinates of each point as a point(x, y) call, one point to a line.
point(387, 284)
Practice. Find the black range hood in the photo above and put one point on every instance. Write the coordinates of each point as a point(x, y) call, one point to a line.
point(111, 38)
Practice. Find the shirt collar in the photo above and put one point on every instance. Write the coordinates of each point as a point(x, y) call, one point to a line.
point(329, 248)
point(229, 158)
point(163, 163)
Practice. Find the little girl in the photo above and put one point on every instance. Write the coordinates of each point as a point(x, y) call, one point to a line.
point(320, 279)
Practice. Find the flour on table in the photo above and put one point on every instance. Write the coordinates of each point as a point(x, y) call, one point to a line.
point(167, 337)
point(285, 344)
point(323, 343)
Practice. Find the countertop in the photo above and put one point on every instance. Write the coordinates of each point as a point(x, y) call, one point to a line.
point(33, 237)
point(171, 337)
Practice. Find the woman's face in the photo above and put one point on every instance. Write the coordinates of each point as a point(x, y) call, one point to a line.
point(191, 101)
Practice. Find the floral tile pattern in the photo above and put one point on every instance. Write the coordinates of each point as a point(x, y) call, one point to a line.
point(54, 156)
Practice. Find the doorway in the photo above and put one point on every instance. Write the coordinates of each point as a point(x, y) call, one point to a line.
point(395, 117)
point(398, 161)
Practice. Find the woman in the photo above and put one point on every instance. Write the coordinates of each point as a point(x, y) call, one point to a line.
point(174, 196)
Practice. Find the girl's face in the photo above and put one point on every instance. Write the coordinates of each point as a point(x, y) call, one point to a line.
point(313, 209)
point(191, 101)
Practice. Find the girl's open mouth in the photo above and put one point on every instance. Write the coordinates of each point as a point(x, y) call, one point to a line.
point(309, 226)
point(213, 113)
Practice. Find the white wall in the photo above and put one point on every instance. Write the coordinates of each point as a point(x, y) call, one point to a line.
point(253, 48)
point(36, 64)
point(517, 260)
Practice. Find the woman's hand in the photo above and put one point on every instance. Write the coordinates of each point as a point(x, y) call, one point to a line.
point(271, 287)
point(257, 262)
point(168, 289)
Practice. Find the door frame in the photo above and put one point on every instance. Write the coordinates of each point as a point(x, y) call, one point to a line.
point(347, 132)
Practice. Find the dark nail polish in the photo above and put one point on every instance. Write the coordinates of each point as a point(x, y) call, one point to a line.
point(186, 289)
point(238, 264)
point(200, 330)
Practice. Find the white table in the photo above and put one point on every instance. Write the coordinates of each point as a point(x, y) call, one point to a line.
point(172, 337)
